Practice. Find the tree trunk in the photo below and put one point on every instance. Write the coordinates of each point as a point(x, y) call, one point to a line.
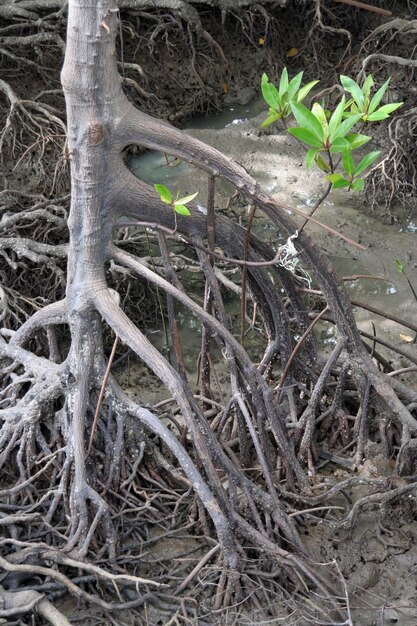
point(95, 108)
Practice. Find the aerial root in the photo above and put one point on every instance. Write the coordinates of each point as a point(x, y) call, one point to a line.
point(128, 333)
point(206, 158)
point(17, 603)
point(306, 426)
point(32, 230)
point(83, 529)
point(29, 127)
point(230, 451)
point(38, 552)
point(379, 500)
point(262, 394)
point(50, 315)
point(41, 253)
point(32, 385)
point(229, 584)
point(234, 533)
point(223, 526)
point(395, 176)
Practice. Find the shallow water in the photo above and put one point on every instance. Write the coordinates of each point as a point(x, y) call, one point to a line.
point(231, 116)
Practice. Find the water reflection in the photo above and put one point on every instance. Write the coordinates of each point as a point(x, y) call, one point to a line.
point(365, 289)
point(408, 226)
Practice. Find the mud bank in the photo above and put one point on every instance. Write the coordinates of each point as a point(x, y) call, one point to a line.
point(278, 164)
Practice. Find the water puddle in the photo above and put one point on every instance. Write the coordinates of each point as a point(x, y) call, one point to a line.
point(154, 167)
point(231, 116)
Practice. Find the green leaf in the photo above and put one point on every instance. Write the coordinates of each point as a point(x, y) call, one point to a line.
point(341, 183)
point(335, 177)
point(368, 83)
point(338, 181)
point(356, 141)
point(400, 265)
point(310, 156)
point(366, 162)
point(352, 87)
point(285, 111)
point(307, 120)
point(283, 104)
point(321, 163)
point(383, 112)
point(376, 117)
point(336, 117)
point(320, 114)
point(353, 111)
point(346, 125)
point(181, 209)
point(348, 163)
point(304, 91)
point(339, 144)
point(272, 117)
point(349, 103)
point(164, 193)
point(186, 199)
point(376, 99)
point(283, 83)
point(270, 92)
point(357, 185)
point(294, 85)
point(306, 136)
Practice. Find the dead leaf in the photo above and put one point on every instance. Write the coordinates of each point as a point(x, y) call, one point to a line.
point(261, 41)
point(292, 52)
point(407, 338)
point(225, 88)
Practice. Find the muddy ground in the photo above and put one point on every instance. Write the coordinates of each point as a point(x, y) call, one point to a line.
point(277, 162)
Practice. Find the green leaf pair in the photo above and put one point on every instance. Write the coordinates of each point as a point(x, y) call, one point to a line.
point(338, 181)
point(400, 266)
point(179, 205)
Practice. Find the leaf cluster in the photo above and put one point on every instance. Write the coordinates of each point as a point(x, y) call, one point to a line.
point(361, 102)
point(288, 92)
point(328, 133)
point(179, 205)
